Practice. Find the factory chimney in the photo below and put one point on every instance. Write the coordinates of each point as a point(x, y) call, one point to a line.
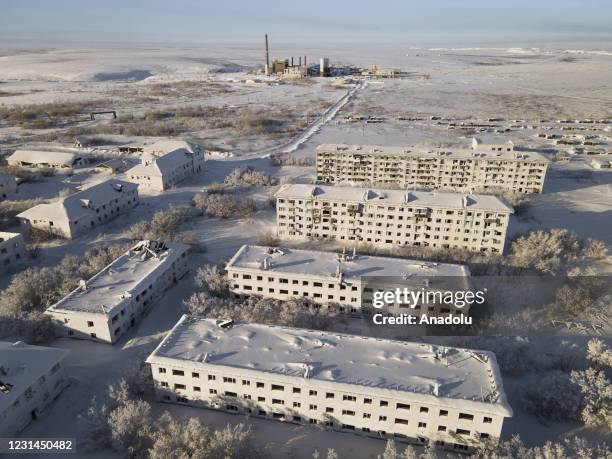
point(267, 66)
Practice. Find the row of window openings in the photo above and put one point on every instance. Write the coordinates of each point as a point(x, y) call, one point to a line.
point(297, 390)
point(293, 281)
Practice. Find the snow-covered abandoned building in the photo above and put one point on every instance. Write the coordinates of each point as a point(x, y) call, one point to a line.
point(8, 186)
point(31, 377)
point(452, 169)
point(391, 218)
point(59, 160)
point(78, 213)
point(12, 251)
point(104, 307)
point(388, 389)
point(165, 164)
point(344, 279)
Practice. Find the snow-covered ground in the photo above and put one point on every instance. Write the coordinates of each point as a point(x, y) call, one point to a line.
point(510, 83)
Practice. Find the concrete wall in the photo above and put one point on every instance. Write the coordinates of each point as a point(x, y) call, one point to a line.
point(390, 226)
point(308, 401)
point(33, 401)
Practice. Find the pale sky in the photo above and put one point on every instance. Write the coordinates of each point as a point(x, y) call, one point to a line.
point(242, 21)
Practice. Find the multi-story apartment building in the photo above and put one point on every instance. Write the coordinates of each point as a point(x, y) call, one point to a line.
point(389, 389)
point(31, 377)
point(165, 164)
point(8, 186)
point(482, 169)
point(391, 218)
point(106, 306)
point(78, 213)
point(12, 251)
point(347, 280)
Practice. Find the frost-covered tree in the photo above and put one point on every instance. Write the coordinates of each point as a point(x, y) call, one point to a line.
point(553, 396)
point(596, 392)
point(568, 449)
point(390, 451)
point(213, 280)
point(130, 427)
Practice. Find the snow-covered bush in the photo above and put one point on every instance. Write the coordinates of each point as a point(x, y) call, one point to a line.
point(553, 396)
point(163, 226)
point(213, 280)
point(247, 177)
point(224, 205)
point(553, 250)
point(569, 448)
point(297, 312)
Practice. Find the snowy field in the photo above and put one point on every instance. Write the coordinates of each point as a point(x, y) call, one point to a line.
point(528, 89)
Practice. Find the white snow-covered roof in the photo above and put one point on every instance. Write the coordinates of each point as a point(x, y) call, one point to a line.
point(123, 278)
point(324, 265)
point(162, 147)
point(164, 156)
point(451, 153)
point(4, 236)
point(59, 158)
point(80, 204)
point(21, 365)
point(411, 371)
point(427, 199)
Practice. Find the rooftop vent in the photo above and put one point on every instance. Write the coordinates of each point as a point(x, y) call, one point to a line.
point(118, 186)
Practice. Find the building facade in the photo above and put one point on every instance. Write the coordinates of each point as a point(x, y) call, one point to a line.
point(8, 186)
point(391, 218)
point(165, 164)
point(31, 377)
point(12, 251)
point(486, 168)
point(106, 306)
point(80, 212)
point(347, 280)
point(387, 389)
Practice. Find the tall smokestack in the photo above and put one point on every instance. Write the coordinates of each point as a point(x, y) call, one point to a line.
point(304, 61)
point(267, 67)
point(300, 61)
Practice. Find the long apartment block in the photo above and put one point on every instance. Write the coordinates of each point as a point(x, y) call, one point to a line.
point(480, 169)
point(392, 218)
point(388, 389)
point(344, 279)
point(106, 306)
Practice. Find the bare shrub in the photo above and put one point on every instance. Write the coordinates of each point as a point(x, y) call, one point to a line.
point(549, 251)
point(553, 396)
point(213, 280)
point(224, 205)
point(569, 447)
point(268, 238)
point(286, 159)
point(298, 312)
point(163, 226)
point(247, 177)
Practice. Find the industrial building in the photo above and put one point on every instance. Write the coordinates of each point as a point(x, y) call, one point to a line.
point(165, 164)
point(80, 212)
point(415, 392)
point(8, 186)
point(106, 306)
point(485, 168)
point(392, 218)
point(12, 251)
point(59, 160)
point(31, 377)
point(345, 279)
